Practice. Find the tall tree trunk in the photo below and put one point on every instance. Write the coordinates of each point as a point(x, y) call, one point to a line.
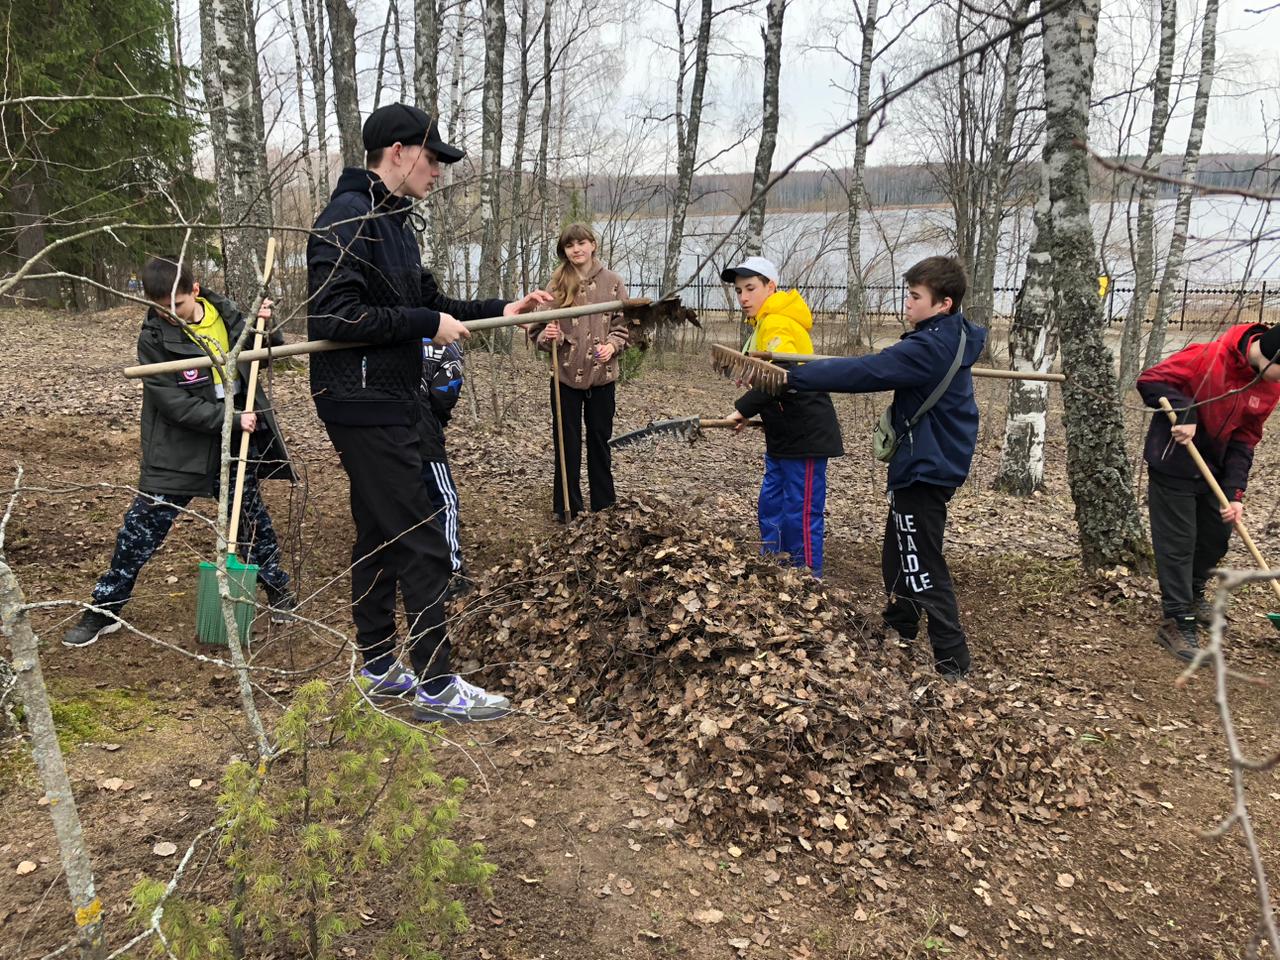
point(382, 56)
point(313, 23)
point(1033, 346)
point(1182, 213)
point(175, 40)
point(855, 297)
point(29, 221)
point(426, 56)
point(776, 10)
point(1144, 254)
point(495, 42)
point(299, 85)
point(1097, 467)
point(244, 197)
point(980, 301)
point(517, 219)
point(346, 95)
point(544, 144)
point(687, 127)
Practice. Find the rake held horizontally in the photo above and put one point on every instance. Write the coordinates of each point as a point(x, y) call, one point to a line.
point(976, 371)
point(640, 313)
point(1241, 529)
point(746, 370)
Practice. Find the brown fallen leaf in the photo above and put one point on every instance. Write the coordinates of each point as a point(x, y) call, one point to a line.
point(709, 917)
point(164, 849)
point(1066, 880)
point(25, 867)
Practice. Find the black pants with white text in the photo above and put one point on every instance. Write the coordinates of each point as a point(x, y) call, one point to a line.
point(916, 578)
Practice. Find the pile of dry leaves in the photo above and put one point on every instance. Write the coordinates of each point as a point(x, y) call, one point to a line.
point(767, 705)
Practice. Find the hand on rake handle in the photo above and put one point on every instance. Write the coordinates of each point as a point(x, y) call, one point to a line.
point(739, 421)
point(451, 330)
point(529, 301)
point(550, 333)
point(1232, 513)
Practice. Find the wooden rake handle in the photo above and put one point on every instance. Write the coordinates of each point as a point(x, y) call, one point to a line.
point(1212, 481)
point(233, 530)
point(989, 372)
point(324, 346)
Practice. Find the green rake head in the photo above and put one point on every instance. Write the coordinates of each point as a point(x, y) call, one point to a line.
point(243, 579)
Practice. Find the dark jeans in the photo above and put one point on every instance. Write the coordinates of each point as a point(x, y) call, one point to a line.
point(396, 545)
point(148, 521)
point(916, 577)
point(1189, 538)
point(595, 407)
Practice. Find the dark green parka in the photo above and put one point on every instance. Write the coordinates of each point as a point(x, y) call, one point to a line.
point(182, 416)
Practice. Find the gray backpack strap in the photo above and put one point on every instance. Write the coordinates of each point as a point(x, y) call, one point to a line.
point(943, 385)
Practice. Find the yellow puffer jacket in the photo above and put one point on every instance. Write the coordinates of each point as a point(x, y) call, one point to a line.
point(782, 324)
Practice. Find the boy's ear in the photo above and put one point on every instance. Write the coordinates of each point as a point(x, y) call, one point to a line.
point(946, 305)
point(195, 289)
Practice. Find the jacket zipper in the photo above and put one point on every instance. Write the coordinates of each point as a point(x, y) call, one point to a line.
point(364, 372)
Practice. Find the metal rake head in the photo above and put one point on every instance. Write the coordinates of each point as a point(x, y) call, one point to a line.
point(749, 371)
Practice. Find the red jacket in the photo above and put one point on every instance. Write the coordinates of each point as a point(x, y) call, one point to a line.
point(1231, 405)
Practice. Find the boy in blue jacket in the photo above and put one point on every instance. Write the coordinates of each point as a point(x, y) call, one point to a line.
point(933, 455)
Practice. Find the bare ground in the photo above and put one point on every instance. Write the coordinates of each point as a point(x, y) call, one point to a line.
point(589, 866)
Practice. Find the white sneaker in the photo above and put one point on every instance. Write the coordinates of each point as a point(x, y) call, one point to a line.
point(460, 702)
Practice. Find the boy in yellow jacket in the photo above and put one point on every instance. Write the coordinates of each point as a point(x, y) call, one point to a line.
point(800, 429)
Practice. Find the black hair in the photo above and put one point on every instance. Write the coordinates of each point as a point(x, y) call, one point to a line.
point(943, 277)
point(165, 275)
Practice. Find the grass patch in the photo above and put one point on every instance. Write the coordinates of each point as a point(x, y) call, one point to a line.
point(1032, 579)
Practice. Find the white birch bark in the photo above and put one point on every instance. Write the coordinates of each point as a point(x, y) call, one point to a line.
point(1144, 251)
point(1106, 509)
point(1191, 161)
point(346, 94)
point(426, 56)
point(244, 192)
point(1033, 347)
point(775, 12)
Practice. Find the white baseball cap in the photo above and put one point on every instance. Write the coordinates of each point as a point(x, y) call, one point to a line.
point(751, 267)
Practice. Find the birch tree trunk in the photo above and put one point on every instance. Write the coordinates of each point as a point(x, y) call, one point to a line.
point(240, 160)
point(90, 932)
point(855, 299)
point(426, 56)
point(346, 95)
point(1097, 467)
point(495, 42)
point(776, 10)
point(1144, 252)
point(687, 126)
point(313, 23)
point(1033, 346)
point(1191, 161)
point(980, 301)
point(382, 56)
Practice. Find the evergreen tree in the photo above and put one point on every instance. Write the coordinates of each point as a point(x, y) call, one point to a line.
point(91, 160)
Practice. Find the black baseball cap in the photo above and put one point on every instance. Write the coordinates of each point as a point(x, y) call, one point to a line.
point(401, 123)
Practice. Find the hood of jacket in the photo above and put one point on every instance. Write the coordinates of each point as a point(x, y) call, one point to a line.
point(782, 324)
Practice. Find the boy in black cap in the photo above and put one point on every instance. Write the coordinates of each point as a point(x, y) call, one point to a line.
point(1223, 392)
point(367, 285)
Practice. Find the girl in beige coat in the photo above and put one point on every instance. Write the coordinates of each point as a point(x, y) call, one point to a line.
point(588, 349)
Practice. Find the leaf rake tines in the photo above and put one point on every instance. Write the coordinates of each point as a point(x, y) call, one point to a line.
point(748, 371)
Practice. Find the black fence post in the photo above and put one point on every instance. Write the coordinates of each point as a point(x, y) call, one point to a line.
point(1262, 301)
point(1182, 319)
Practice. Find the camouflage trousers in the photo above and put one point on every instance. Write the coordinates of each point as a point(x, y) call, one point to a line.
point(148, 522)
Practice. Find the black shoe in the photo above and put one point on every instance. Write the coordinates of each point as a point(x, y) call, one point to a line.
point(1204, 613)
point(953, 663)
point(283, 606)
point(1178, 636)
point(459, 586)
point(92, 625)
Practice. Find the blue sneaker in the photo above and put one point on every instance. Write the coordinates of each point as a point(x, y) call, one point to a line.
point(396, 683)
point(460, 702)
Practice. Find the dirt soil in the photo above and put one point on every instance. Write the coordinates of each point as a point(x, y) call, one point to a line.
point(591, 861)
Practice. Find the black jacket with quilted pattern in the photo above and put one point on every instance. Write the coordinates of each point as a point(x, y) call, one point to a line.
point(366, 284)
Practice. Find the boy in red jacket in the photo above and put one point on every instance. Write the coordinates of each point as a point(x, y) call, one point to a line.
point(1223, 392)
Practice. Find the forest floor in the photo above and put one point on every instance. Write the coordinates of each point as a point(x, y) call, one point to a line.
point(597, 854)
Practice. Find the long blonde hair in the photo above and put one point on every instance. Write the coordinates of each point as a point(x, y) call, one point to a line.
point(565, 280)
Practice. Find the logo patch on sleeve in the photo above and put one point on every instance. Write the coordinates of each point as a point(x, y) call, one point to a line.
point(193, 378)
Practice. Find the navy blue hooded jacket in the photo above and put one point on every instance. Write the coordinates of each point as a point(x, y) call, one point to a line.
point(939, 449)
point(366, 284)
